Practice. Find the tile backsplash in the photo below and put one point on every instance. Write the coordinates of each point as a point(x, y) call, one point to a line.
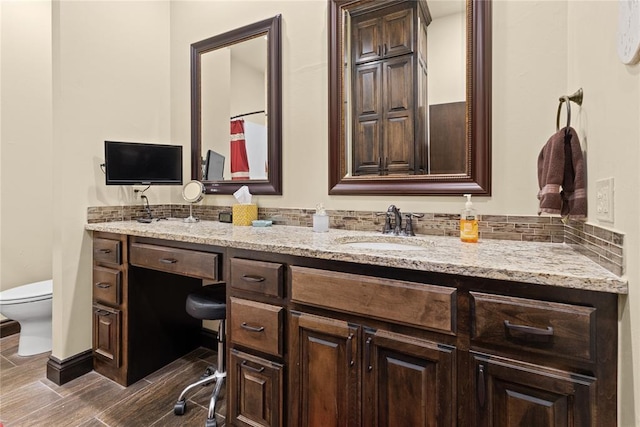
point(602, 245)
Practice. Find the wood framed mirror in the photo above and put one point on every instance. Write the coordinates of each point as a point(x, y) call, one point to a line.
point(236, 109)
point(388, 122)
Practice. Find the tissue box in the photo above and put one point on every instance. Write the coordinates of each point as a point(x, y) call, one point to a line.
point(244, 214)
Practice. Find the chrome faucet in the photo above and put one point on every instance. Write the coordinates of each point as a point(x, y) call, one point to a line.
point(393, 212)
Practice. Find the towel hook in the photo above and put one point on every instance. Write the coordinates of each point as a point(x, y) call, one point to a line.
point(577, 98)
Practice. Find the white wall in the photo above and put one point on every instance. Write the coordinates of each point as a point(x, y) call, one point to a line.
point(121, 71)
point(446, 59)
point(110, 81)
point(609, 128)
point(25, 165)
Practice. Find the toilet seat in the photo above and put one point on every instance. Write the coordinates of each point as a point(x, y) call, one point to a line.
point(37, 291)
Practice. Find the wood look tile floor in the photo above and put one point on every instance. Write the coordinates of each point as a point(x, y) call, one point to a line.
point(28, 398)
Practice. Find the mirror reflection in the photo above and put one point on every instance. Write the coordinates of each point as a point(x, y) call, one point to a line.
point(236, 109)
point(410, 113)
point(391, 127)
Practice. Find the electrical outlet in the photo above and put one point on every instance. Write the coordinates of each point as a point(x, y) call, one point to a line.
point(604, 200)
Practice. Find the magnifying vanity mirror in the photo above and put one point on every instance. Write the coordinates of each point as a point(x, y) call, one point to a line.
point(236, 110)
point(410, 97)
point(192, 192)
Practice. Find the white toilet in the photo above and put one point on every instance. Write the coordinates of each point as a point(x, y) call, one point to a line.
point(30, 306)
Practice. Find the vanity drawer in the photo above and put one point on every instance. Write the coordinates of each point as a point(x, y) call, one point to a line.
point(540, 327)
point(107, 251)
point(106, 285)
point(107, 340)
point(202, 265)
point(265, 278)
point(416, 304)
point(257, 325)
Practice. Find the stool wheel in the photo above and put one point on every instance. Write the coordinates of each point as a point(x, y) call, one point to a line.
point(210, 423)
point(180, 407)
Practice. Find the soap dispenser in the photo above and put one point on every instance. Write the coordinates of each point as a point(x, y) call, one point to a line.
point(320, 219)
point(468, 222)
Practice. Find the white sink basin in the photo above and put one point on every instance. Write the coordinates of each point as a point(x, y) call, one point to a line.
point(385, 243)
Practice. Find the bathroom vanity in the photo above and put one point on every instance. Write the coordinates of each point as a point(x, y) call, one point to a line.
point(322, 332)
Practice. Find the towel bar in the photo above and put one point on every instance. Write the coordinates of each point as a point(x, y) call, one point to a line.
point(577, 98)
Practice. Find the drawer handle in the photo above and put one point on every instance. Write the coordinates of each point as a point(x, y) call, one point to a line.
point(480, 389)
point(367, 354)
point(105, 251)
point(168, 260)
point(349, 350)
point(547, 332)
point(103, 285)
point(252, 278)
point(252, 328)
point(251, 368)
point(102, 312)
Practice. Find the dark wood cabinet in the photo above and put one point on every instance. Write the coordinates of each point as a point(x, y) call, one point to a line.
point(387, 125)
point(511, 393)
point(351, 375)
point(347, 373)
point(110, 316)
point(384, 107)
point(324, 382)
point(139, 291)
point(382, 34)
point(255, 342)
point(407, 381)
point(257, 390)
point(106, 335)
point(316, 342)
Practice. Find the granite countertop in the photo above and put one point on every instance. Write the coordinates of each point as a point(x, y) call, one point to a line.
point(551, 264)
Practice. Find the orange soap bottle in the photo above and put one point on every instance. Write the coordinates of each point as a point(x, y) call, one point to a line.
point(468, 222)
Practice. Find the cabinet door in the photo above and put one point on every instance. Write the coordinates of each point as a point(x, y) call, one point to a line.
point(255, 391)
point(324, 376)
point(367, 119)
point(516, 394)
point(106, 334)
point(398, 143)
point(407, 381)
point(397, 33)
point(383, 35)
point(366, 37)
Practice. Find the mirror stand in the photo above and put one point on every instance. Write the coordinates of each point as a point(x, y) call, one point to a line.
point(192, 192)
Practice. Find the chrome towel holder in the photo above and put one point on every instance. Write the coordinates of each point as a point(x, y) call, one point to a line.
point(577, 98)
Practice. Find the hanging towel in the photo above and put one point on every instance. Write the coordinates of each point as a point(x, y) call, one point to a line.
point(561, 176)
point(239, 160)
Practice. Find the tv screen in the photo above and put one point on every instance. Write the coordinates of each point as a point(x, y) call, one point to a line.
point(214, 166)
point(129, 163)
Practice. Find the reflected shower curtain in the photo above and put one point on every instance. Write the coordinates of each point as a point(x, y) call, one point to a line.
point(239, 160)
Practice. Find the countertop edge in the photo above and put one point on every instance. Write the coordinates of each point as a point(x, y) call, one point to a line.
point(302, 241)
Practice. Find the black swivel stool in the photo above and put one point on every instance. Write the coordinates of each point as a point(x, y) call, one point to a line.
point(208, 304)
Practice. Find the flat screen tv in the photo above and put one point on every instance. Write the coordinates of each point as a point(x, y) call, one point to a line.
point(214, 166)
point(130, 163)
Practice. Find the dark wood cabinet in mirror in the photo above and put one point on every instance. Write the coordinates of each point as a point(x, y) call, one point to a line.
point(409, 97)
point(236, 109)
